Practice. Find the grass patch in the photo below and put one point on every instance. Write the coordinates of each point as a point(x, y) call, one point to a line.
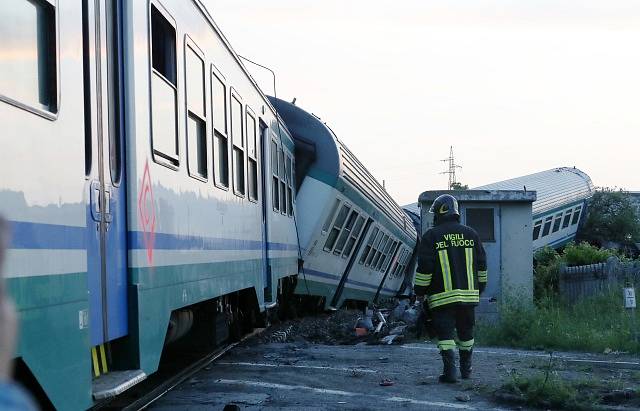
point(594, 324)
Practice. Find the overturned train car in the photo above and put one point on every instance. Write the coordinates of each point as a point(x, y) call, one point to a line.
point(356, 242)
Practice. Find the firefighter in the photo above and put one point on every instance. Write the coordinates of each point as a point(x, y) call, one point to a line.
point(451, 274)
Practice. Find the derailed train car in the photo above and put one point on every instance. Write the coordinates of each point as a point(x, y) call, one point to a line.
point(356, 242)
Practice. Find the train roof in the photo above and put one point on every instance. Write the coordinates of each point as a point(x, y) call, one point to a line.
point(334, 161)
point(555, 187)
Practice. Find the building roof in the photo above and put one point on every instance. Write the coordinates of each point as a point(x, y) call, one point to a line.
point(555, 187)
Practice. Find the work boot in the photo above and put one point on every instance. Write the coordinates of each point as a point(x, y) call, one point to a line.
point(465, 364)
point(449, 370)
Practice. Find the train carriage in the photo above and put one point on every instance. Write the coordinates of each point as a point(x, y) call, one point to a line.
point(136, 177)
point(356, 242)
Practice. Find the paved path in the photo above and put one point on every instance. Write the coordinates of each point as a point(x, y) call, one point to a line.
point(301, 376)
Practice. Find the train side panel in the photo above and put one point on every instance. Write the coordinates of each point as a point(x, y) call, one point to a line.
point(43, 194)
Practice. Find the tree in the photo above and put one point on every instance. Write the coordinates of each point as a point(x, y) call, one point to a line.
point(611, 217)
point(459, 186)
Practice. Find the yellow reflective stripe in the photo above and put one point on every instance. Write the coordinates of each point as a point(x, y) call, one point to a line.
point(103, 357)
point(447, 294)
point(446, 345)
point(465, 345)
point(453, 300)
point(422, 283)
point(96, 366)
point(446, 270)
point(423, 276)
point(468, 253)
point(482, 276)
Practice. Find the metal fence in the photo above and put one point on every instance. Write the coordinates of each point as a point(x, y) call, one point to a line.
point(593, 279)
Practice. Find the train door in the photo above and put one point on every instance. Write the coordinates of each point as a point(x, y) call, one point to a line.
point(265, 174)
point(104, 141)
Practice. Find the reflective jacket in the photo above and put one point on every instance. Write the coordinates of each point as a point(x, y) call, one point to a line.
point(452, 265)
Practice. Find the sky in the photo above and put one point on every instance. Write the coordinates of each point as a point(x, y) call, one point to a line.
point(515, 86)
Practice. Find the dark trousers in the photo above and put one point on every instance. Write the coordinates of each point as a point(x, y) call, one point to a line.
point(451, 318)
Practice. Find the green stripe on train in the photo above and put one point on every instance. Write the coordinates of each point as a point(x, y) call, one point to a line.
point(51, 342)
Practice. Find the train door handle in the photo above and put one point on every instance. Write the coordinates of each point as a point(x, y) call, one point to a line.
point(94, 200)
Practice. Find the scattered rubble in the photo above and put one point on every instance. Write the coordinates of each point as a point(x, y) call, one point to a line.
point(396, 325)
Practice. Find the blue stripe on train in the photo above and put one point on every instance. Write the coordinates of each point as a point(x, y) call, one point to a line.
point(337, 278)
point(27, 235)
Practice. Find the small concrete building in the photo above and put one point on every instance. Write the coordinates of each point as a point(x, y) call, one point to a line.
point(503, 221)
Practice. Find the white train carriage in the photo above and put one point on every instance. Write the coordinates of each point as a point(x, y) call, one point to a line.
point(136, 177)
point(562, 195)
point(355, 240)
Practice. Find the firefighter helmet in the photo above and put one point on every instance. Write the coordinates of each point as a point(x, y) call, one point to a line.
point(445, 205)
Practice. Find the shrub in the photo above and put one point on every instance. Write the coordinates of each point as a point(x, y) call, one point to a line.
point(585, 253)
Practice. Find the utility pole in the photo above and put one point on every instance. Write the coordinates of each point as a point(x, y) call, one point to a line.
point(451, 169)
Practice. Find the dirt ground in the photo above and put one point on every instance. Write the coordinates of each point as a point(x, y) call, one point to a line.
point(318, 363)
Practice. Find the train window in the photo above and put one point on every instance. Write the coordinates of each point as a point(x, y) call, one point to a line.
point(346, 231)
point(220, 139)
point(567, 219)
point(252, 157)
point(275, 183)
point(374, 249)
point(289, 185)
point(576, 216)
point(390, 256)
point(385, 254)
point(28, 67)
point(283, 185)
point(375, 263)
point(355, 234)
point(481, 220)
point(327, 223)
point(547, 226)
point(337, 227)
point(163, 89)
point(369, 246)
point(197, 158)
point(237, 138)
point(557, 222)
point(536, 229)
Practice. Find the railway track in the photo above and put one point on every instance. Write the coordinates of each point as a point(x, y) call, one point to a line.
point(157, 385)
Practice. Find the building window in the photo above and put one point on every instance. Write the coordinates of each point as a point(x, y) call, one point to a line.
point(576, 215)
point(220, 139)
point(567, 219)
point(547, 226)
point(337, 227)
point(369, 246)
point(164, 89)
point(252, 163)
point(557, 222)
point(237, 138)
point(275, 181)
point(28, 67)
point(536, 229)
point(197, 158)
point(481, 220)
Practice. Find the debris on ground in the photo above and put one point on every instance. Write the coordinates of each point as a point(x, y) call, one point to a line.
point(386, 382)
point(393, 325)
